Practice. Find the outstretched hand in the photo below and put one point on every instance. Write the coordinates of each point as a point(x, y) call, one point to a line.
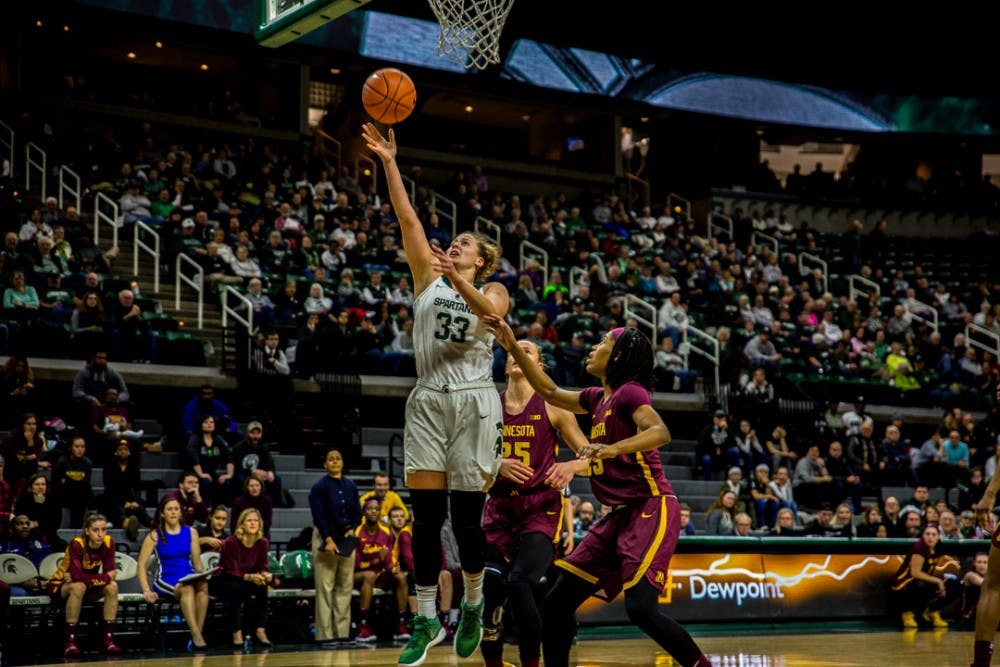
point(442, 263)
point(500, 330)
point(384, 148)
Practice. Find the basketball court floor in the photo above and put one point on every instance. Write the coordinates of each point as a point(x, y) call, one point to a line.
point(857, 649)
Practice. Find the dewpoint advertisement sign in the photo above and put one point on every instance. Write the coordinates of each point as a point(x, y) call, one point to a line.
point(718, 586)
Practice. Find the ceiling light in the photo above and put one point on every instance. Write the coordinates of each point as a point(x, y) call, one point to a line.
point(204, 67)
point(334, 70)
point(468, 108)
point(65, 28)
point(131, 55)
point(159, 45)
point(39, 23)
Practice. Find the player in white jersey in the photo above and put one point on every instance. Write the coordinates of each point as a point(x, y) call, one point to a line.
point(454, 420)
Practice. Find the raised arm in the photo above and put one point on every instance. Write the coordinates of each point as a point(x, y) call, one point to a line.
point(418, 250)
point(539, 381)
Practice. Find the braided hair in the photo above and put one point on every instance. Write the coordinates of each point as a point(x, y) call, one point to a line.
point(631, 360)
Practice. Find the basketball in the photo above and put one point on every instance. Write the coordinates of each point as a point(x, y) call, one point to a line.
point(389, 95)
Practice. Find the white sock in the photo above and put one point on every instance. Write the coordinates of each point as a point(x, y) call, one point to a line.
point(427, 601)
point(473, 587)
point(453, 616)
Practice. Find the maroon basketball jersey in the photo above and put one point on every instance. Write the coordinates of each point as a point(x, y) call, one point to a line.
point(628, 477)
point(529, 437)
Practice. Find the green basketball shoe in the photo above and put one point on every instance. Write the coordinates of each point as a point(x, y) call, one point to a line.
point(470, 629)
point(427, 632)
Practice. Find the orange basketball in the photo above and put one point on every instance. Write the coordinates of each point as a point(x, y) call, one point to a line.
point(389, 95)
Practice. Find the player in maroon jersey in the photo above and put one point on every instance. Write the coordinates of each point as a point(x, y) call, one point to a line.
point(523, 514)
point(630, 549)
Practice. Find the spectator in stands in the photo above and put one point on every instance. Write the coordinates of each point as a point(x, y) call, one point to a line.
point(215, 531)
point(270, 382)
point(211, 459)
point(178, 555)
point(23, 542)
point(867, 457)
point(742, 525)
point(584, 520)
point(373, 565)
point(336, 513)
point(749, 453)
point(243, 581)
point(17, 390)
point(207, 403)
point(71, 481)
point(781, 488)
point(92, 382)
point(386, 497)
point(948, 524)
point(957, 457)
point(41, 507)
point(253, 497)
point(252, 456)
point(131, 339)
point(122, 500)
point(854, 418)
point(822, 524)
point(919, 584)
point(317, 302)
point(721, 514)
point(760, 351)
point(218, 268)
point(20, 300)
point(673, 317)
point(46, 261)
point(871, 523)
point(843, 518)
point(846, 478)
point(891, 517)
point(243, 265)
point(970, 493)
point(911, 524)
point(263, 307)
point(898, 468)
point(785, 524)
point(765, 503)
point(687, 528)
point(812, 483)
point(734, 482)
point(34, 227)
point(669, 369)
point(714, 442)
point(24, 450)
point(87, 573)
point(930, 462)
point(87, 325)
point(188, 493)
point(110, 422)
point(777, 447)
point(760, 401)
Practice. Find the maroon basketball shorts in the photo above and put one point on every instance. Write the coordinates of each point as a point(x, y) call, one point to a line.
point(506, 519)
point(632, 542)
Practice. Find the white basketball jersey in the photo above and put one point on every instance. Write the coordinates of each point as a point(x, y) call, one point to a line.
point(451, 346)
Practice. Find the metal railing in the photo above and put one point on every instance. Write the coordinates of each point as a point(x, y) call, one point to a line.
point(372, 167)
point(577, 278)
point(7, 148)
point(817, 261)
point(927, 313)
point(711, 355)
point(65, 187)
point(450, 213)
point(35, 157)
point(980, 331)
point(602, 270)
point(154, 251)
point(237, 314)
point(103, 202)
point(534, 252)
point(482, 224)
point(853, 290)
point(674, 201)
point(330, 146)
point(633, 304)
point(771, 241)
point(725, 227)
point(197, 284)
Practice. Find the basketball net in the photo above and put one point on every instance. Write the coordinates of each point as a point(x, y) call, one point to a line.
point(470, 30)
